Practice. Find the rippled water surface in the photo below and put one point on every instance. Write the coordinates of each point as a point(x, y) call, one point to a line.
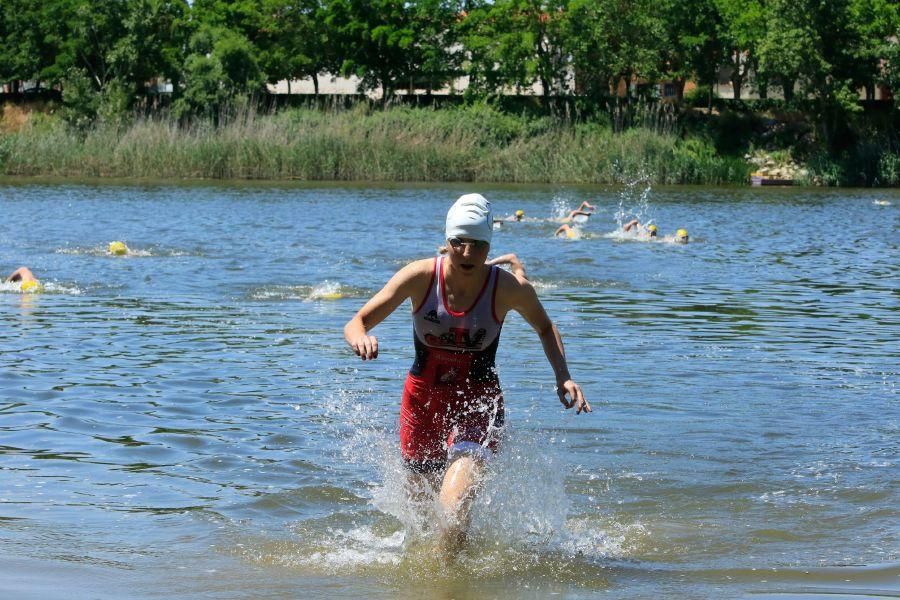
point(186, 421)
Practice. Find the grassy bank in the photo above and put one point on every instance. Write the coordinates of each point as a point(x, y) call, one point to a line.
point(469, 143)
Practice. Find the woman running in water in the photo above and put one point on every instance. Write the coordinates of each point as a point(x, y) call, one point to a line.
point(451, 413)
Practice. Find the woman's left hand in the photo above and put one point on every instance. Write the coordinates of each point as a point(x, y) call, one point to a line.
point(576, 397)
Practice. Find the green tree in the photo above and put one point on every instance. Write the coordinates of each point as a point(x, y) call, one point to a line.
point(31, 34)
point(689, 48)
point(393, 44)
point(295, 42)
point(230, 33)
point(516, 43)
point(890, 73)
point(438, 55)
point(612, 41)
point(372, 39)
point(93, 30)
point(789, 49)
point(816, 44)
point(151, 47)
point(874, 22)
point(245, 17)
point(222, 65)
point(741, 26)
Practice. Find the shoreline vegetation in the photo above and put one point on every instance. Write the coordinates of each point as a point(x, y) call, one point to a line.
point(477, 142)
point(568, 91)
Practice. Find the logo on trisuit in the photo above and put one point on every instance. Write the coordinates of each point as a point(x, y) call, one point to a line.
point(432, 316)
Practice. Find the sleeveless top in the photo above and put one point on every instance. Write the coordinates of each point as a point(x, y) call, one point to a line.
point(456, 348)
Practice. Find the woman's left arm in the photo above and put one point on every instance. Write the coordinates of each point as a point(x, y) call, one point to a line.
point(524, 300)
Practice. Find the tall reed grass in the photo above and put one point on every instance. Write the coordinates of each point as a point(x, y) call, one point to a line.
point(469, 143)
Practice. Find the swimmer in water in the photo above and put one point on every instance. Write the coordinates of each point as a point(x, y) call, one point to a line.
point(118, 248)
point(451, 413)
point(518, 216)
point(26, 278)
point(579, 215)
point(567, 231)
point(681, 236)
point(573, 216)
point(649, 231)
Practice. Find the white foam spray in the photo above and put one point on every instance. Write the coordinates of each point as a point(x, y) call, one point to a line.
point(634, 200)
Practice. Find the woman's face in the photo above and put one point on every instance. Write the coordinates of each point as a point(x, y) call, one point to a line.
point(466, 255)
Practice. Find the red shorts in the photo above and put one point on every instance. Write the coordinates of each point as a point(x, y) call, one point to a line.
point(434, 418)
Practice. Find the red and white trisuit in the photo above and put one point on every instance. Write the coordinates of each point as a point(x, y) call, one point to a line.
point(452, 403)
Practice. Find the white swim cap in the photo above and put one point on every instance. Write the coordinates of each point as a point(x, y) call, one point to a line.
point(470, 217)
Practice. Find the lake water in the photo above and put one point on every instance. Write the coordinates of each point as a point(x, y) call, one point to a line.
point(186, 421)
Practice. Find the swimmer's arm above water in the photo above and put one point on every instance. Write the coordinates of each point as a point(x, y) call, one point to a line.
point(408, 282)
point(515, 265)
point(523, 299)
point(22, 274)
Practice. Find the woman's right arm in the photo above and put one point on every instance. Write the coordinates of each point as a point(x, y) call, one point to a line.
point(406, 283)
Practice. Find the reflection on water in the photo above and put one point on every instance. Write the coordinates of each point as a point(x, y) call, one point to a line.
point(188, 421)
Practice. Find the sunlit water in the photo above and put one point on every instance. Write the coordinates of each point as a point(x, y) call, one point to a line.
point(186, 421)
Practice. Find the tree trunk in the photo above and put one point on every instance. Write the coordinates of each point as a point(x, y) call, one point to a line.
point(386, 90)
point(737, 81)
point(737, 75)
point(787, 85)
point(315, 78)
point(679, 89)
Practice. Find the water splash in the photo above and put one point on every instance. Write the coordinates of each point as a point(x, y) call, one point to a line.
point(520, 517)
point(47, 287)
point(559, 208)
point(327, 290)
point(132, 252)
point(324, 291)
point(634, 199)
point(541, 285)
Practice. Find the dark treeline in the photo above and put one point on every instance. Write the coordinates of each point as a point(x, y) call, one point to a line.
point(213, 49)
point(115, 57)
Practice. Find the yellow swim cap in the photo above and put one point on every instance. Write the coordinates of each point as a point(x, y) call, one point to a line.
point(332, 296)
point(34, 286)
point(681, 233)
point(651, 228)
point(520, 213)
point(118, 248)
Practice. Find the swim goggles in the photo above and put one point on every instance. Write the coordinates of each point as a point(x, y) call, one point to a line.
point(456, 243)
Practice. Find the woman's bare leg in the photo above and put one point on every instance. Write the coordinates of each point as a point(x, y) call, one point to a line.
point(461, 482)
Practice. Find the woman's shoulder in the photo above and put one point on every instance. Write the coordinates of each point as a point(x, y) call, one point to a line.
point(416, 269)
point(508, 282)
point(513, 292)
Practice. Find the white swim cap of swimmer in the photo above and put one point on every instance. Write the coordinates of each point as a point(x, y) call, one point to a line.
point(470, 217)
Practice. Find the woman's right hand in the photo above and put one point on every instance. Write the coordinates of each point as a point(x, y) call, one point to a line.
point(365, 347)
